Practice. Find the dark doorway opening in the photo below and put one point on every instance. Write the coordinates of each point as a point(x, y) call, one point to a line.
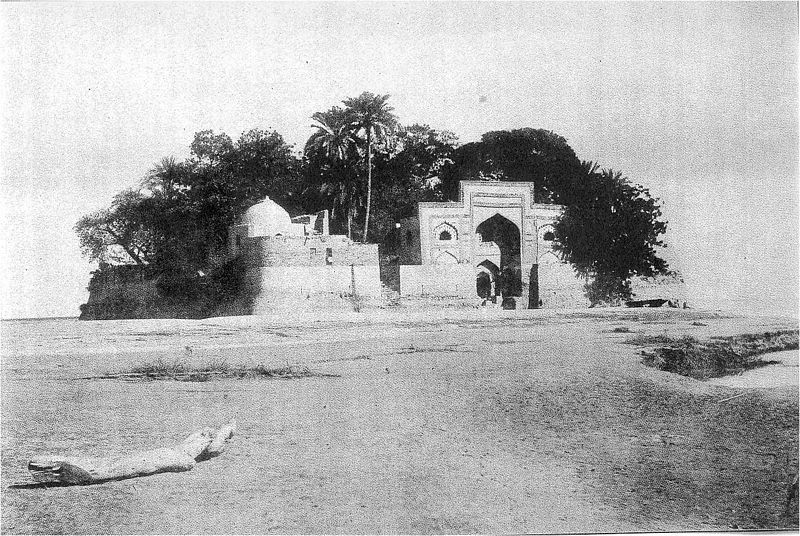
point(486, 280)
point(533, 288)
point(483, 284)
point(506, 235)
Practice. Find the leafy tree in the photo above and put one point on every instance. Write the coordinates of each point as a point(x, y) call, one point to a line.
point(263, 164)
point(526, 155)
point(165, 178)
point(209, 149)
point(180, 220)
point(119, 234)
point(410, 173)
point(421, 153)
point(610, 228)
point(346, 198)
point(610, 233)
point(372, 120)
point(225, 178)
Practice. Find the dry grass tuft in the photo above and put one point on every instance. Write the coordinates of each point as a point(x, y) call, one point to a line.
point(621, 329)
point(211, 370)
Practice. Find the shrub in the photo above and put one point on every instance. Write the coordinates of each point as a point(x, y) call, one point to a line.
point(718, 357)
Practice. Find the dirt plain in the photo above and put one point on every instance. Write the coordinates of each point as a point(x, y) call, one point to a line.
point(438, 422)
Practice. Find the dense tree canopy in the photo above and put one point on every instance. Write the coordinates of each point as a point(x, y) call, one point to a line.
point(527, 155)
point(360, 163)
point(610, 233)
point(178, 220)
point(120, 234)
point(410, 173)
point(610, 228)
point(406, 166)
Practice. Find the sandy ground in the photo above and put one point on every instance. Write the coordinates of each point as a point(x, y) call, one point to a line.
point(449, 422)
point(781, 374)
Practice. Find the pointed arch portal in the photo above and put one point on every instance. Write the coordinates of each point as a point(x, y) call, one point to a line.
point(506, 235)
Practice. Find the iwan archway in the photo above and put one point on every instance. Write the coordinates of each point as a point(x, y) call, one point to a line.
point(500, 237)
point(491, 222)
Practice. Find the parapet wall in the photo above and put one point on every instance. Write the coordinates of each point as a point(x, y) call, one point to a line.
point(294, 251)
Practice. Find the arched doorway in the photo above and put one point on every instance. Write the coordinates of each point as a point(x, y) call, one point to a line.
point(483, 285)
point(486, 279)
point(506, 235)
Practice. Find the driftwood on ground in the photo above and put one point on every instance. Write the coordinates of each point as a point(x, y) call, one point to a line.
point(201, 445)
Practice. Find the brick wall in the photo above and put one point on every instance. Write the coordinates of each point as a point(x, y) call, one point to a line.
point(297, 287)
point(559, 287)
point(333, 250)
point(453, 280)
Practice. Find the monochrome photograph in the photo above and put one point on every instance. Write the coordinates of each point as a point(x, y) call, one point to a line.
point(399, 267)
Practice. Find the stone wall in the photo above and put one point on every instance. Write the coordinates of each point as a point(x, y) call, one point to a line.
point(559, 287)
point(293, 251)
point(317, 272)
point(298, 287)
point(125, 292)
point(106, 283)
point(454, 280)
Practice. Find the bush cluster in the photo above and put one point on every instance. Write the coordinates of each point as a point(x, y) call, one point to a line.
point(718, 357)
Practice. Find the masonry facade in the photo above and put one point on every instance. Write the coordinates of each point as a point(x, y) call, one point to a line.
point(295, 262)
point(493, 246)
point(494, 243)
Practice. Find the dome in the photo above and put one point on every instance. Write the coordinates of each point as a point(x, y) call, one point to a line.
point(267, 218)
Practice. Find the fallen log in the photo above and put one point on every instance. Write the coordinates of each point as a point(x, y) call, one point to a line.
point(217, 444)
point(201, 445)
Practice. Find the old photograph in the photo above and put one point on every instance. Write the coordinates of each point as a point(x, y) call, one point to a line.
point(398, 268)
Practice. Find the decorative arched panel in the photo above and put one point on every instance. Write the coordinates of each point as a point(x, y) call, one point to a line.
point(549, 258)
point(546, 233)
point(445, 257)
point(445, 232)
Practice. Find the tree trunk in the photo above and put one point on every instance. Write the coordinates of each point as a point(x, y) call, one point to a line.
point(201, 445)
point(128, 250)
point(369, 184)
point(350, 221)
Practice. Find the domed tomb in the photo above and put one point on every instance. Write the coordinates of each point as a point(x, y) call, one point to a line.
point(268, 218)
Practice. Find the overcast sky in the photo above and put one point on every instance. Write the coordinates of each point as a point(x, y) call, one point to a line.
point(697, 101)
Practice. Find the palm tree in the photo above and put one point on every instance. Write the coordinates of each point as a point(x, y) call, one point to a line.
point(333, 137)
point(345, 199)
point(165, 176)
point(373, 120)
point(333, 140)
